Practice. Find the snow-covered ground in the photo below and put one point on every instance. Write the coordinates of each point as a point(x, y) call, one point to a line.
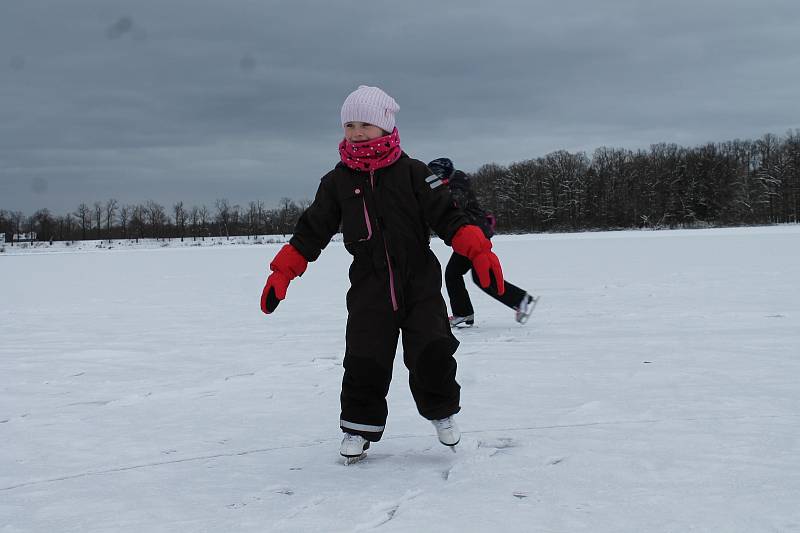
point(655, 389)
point(138, 244)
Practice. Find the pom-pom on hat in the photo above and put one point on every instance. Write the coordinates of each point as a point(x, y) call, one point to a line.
point(370, 105)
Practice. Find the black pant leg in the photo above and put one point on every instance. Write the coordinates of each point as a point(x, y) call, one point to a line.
point(371, 337)
point(365, 385)
point(511, 297)
point(428, 348)
point(457, 266)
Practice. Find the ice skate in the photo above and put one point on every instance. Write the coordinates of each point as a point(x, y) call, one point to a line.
point(462, 321)
point(525, 308)
point(447, 431)
point(354, 448)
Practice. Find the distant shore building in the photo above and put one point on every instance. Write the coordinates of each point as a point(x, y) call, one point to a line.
point(25, 237)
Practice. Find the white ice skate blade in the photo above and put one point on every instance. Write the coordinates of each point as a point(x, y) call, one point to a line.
point(354, 459)
point(524, 318)
point(451, 446)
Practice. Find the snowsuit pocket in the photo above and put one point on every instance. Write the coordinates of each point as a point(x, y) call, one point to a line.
point(356, 224)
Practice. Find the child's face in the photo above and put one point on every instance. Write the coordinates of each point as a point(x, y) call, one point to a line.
point(361, 131)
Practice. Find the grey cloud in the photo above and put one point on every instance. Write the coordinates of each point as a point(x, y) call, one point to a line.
point(122, 26)
point(97, 107)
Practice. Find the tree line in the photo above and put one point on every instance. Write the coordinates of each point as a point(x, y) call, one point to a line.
point(739, 182)
point(111, 220)
point(668, 186)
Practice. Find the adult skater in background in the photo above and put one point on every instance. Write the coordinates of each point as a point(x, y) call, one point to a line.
point(463, 314)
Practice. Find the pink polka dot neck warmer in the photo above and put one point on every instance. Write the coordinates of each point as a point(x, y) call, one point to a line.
point(371, 155)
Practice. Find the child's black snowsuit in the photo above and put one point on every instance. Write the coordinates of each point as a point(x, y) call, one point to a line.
point(395, 285)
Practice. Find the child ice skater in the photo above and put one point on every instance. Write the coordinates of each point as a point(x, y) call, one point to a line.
point(386, 202)
point(463, 314)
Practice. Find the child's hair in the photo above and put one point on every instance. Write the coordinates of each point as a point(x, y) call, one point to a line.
point(370, 105)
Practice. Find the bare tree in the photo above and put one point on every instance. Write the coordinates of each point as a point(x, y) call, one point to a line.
point(16, 218)
point(269, 221)
point(98, 217)
point(223, 216)
point(235, 219)
point(180, 218)
point(288, 211)
point(139, 220)
point(63, 227)
point(111, 209)
point(124, 216)
point(204, 216)
point(194, 219)
point(5, 224)
point(254, 210)
point(156, 217)
point(43, 224)
point(84, 216)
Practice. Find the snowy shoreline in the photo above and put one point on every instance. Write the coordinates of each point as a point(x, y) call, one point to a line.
point(261, 240)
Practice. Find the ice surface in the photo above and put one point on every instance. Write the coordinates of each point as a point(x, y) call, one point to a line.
point(655, 388)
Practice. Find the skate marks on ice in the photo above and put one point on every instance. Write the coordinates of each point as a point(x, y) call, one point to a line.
point(156, 464)
point(422, 476)
point(208, 457)
point(325, 361)
point(383, 512)
point(243, 375)
point(471, 452)
point(378, 514)
point(466, 452)
point(286, 523)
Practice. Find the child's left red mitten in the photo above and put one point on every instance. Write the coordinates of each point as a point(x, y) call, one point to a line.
point(470, 242)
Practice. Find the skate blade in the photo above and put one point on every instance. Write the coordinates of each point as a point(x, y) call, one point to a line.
point(524, 318)
point(451, 446)
point(354, 459)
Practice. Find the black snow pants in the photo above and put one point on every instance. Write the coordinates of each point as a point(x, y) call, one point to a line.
point(373, 329)
point(460, 303)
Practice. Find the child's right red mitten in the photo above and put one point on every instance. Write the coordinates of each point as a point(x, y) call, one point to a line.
point(287, 265)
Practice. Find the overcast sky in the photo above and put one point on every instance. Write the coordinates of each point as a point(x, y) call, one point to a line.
point(197, 100)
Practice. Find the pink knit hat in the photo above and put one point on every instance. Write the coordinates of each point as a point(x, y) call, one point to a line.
point(370, 105)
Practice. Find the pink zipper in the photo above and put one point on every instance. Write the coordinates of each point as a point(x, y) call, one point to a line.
point(366, 219)
point(395, 307)
point(391, 278)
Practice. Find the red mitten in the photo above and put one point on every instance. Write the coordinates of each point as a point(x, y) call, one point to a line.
point(470, 242)
point(287, 265)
